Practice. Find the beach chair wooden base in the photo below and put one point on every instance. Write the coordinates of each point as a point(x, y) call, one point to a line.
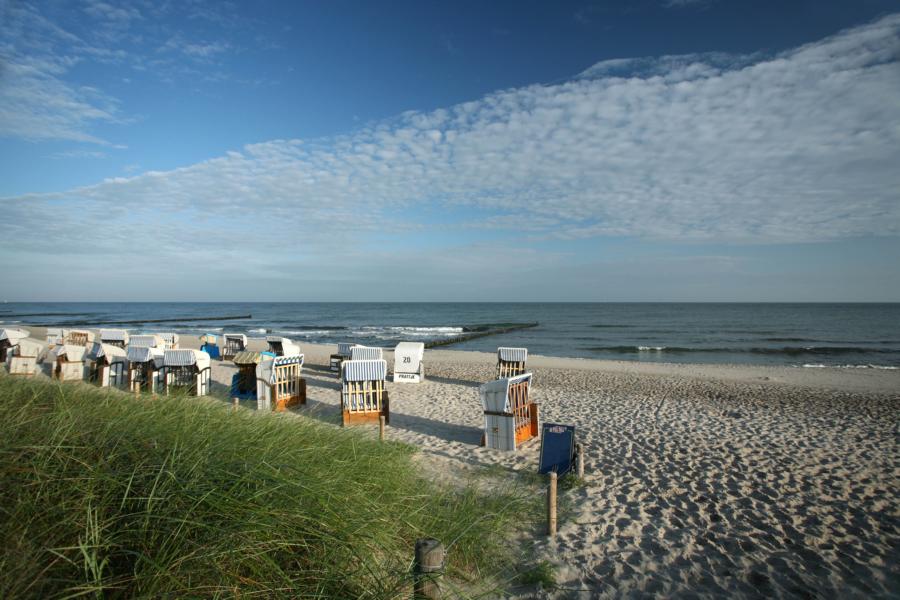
point(69, 371)
point(285, 402)
point(360, 418)
point(23, 366)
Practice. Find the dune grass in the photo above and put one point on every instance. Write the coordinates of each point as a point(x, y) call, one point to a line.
point(104, 494)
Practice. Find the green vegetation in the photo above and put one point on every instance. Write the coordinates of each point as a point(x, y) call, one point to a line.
point(105, 494)
point(541, 575)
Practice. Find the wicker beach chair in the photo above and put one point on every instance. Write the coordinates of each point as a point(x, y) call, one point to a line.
point(511, 361)
point(279, 384)
point(510, 416)
point(363, 394)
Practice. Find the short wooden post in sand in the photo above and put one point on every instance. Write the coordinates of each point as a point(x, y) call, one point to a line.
point(551, 506)
point(381, 428)
point(579, 456)
point(428, 568)
point(235, 403)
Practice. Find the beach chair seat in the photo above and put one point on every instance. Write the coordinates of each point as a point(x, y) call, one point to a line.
point(107, 365)
point(342, 354)
point(114, 337)
point(186, 371)
point(144, 368)
point(511, 361)
point(279, 384)
point(409, 366)
point(510, 416)
point(364, 397)
point(232, 343)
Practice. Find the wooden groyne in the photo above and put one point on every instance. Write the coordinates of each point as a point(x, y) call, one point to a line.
point(480, 331)
point(139, 321)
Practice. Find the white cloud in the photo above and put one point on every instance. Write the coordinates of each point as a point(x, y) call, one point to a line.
point(797, 147)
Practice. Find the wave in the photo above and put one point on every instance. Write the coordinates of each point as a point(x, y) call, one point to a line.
point(784, 350)
point(821, 366)
point(606, 326)
point(259, 330)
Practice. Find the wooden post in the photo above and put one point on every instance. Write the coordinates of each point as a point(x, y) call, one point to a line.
point(235, 403)
point(551, 506)
point(579, 454)
point(381, 427)
point(427, 569)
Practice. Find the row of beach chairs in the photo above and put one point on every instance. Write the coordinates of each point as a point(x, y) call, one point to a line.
point(274, 378)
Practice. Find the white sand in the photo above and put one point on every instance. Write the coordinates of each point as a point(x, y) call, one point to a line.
point(701, 479)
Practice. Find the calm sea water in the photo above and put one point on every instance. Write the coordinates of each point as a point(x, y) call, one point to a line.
point(853, 335)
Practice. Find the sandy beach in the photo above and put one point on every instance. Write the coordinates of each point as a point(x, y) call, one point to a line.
point(701, 480)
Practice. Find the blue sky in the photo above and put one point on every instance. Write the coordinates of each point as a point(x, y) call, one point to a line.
point(642, 150)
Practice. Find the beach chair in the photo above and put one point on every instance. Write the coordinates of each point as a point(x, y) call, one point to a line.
point(282, 346)
point(243, 383)
point(114, 337)
point(186, 370)
point(107, 365)
point(8, 340)
point(23, 358)
point(147, 341)
point(79, 337)
point(279, 384)
point(68, 362)
point(144, 368)
point(343, 353)
point(366, 353)
point(510, 417)
point(511, 361)
point(363, 395)
point(170, 340)
point(55, 337)
point(232, 343)
point(409, 366)
point(209, 344)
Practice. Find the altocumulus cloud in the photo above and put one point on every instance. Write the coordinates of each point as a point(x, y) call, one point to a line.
point(800, 146)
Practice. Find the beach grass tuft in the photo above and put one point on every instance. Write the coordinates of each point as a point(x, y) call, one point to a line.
point(106, 494)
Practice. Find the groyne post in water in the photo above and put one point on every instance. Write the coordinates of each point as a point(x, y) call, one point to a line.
point(480, 332)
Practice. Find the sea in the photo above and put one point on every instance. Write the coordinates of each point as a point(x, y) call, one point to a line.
point(800, 335)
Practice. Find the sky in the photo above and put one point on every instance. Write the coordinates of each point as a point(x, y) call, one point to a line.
point(642, 150)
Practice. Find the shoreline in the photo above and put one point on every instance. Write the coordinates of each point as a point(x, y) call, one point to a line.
point(860, 380)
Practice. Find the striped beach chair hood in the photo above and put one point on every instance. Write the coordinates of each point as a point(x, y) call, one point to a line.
point(512, 354)
point(70, 352)
point(113, 335)
point(187, 357)
point(364, 370)
point(146, 341)
point(13, 334)
point(266, 369)
point(144, 354)
point(366, 353)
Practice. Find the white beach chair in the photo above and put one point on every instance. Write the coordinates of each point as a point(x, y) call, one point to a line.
point(144, 368)
point(232, 343)
point(9, 338)
point(170, 340)
point(23, 358)
point(363, 394)
point(55, 337)
point(279, 384)
point(282, 346)
point(147, 341)
point(68, 362)
point(107, 365)
point(409, 366)
point(114, 337)
point(187, 370)
point(510, 417)
point(511, 361)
